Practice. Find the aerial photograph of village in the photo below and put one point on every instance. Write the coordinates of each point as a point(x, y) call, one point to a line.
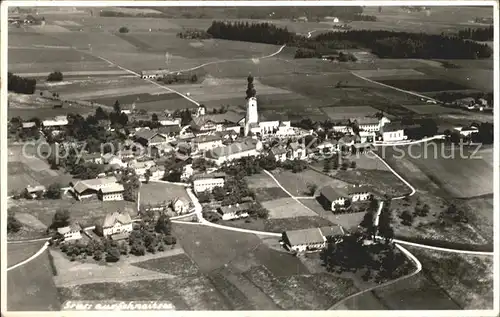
point(250, 158)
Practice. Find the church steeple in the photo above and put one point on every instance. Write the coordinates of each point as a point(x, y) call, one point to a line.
point(251, 92)
point(252, 116)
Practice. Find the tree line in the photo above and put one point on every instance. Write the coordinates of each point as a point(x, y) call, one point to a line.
point(385, 44)
point(480, 34)
point(20, 84)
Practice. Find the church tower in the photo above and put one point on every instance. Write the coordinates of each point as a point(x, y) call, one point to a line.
point(252, 115)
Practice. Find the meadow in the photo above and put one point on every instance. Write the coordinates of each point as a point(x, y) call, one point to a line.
point(154, 193)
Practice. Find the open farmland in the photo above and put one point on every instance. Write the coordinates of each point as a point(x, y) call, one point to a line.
point(422, 85)
point(18, 252)
point(431, 109)
point(296, 183)
point(30, 287)
point(88, 213)
point(342, 113)
point(286, 208)
point(462, 174)
point(468, 279)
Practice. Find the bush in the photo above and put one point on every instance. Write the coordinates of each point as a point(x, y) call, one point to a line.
point(123, 29)
point(55, 76)
point(170, 240)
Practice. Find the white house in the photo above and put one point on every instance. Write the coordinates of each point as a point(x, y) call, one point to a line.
point(467, 131)
point(327, 146)
point(111, 159)
point(140, 168)
point(35, 191)
point(392, 132)
point(359, 193)
point(204, 182)
point(187, 172)
point(279, 153)
point(114, 192)
point(180, 206)
point(206, 142)
point(58, 121)
point(157, 172)
point(367, 136)
point(231, 212)
point(295, 151)
point(117, 223)
point(72, 232)
point(333, 198)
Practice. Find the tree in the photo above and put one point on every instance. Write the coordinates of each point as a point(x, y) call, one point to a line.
point(154, 118)
point(169, 240)
point(367, 223)
point(148, 175)
point(353, 164)
point(385, 222)
point(219, 193)
point(311, 188)
point(55, 76)
point(54, 191)
point(204, 197)
point(407, 218)
point(116, 107)
point(113, 254)
point(98, 256)
point(13, 225)
point(123, 29)
point(61, 219)
point(164, 225)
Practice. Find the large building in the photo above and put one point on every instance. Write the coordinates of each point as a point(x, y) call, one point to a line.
point(206, 142)
point(207, 182)
point(117, 225)
point(90, 187)
point(312, 239)
point(392, 132)
point(114, 192)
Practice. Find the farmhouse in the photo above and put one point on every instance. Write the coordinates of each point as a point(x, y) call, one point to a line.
point(153, 74)
point(140, 168)
point(169, 130)
point(180, 205)
point(90, 187)
point(359, 192)
point(237, 211)
point(295, 151)
point(58, 121)
point(113, 192)
point(334, 232)
point(333, 198)
point(35, 191)
point(157, 172)
point(29, 125)
point(112, 159)
point(147, 137)
point(117, 225)
point(71, 232)
point(234, 151)
point(206, 142)
point(327, 146)
point(204, 182)
point(304, 240)
point(392, 132)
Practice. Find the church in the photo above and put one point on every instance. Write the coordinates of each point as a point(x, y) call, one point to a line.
point(250, 125)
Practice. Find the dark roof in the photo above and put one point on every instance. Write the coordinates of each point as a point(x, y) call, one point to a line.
point(392, 126)
point(365, 120)
point(146, 134)
point(235, 208)
point(228, 117)
point(167, 129)
point(332, 231)
point(304, 236)
point(332, 194)
point(278, 150)
point(351, 190)
point(211, 175)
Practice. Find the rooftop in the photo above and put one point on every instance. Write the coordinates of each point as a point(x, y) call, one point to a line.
point(112, 218)
point(83, 185)
point(206, 138)
point(208, 176)
point(332, 231)
point(113, 188)
point(34, 189)
point(235, 208)
point(351, 190)
point(233, 148)
point(332, 194)
point(304, 236)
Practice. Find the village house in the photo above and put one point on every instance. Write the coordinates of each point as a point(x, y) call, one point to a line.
point(206, 142)
point(304, 240)
point(215, 122)
point(114, 192)
point(392, 132)
point(359, 192)
point(180, 206)
point(170, 122)
point(117, 225)
point(147, 137)
point(28, 125)
point(207, 182)
point(71, 232)
point(169, 131)
point(236, 211)
point(157, 172)
point(279, 153)
point(92, 158)
point(296, 151)
point(333, 198)
point(229, 134)
point(367, 136)
point(467, 131)
point(58, 121)
point(234, 151)
point(140, 168)
point(153, 74)
point(90, 188)
point(112, 159)
point(327, 146)
point(33, 192)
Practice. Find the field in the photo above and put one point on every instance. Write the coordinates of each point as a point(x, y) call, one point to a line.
point(467, 279)
point(90, 212)
point(269, 194)
point(18, 252)
point(461, 172)
point(343, 113)
point(422, 85)
point(382, 182)
point(286, 208)
point(296, 184)
point(430, 109)
point(30, 287)
point(480, 211)
point(154, 193)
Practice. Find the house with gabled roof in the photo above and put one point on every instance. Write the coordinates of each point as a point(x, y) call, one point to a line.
point(303, 240)
point(71, 232)
point(34, 192)
point(90, 187)
point(333, 198)
point(359, 192)
point(235, 211)
point(114, 192)
point(180, 205)
point(117, 223)
point(279, 153)
point(147, 137)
